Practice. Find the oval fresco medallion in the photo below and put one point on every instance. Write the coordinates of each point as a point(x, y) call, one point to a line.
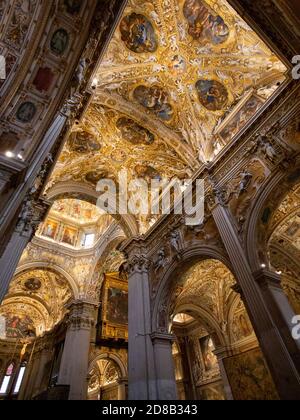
point(83, 142)
point(212, 94)
point(155, 99)
point(26, 112)
point(33, 285)
point(60, 41)
point(147, 172)
point(205, 25)
point(134, 133)
point(138, 33)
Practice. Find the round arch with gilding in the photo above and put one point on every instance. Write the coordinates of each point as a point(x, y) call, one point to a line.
point(175, 270)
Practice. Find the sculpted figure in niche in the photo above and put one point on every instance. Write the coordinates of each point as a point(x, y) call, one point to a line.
point(204, 24)
point(161, 260)
point(246, 178)
point(175, 241)
point(266, 147)
point(138, 34)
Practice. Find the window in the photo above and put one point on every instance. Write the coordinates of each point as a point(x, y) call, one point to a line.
point(89, 240)
point(20, 379)
point(7, 379)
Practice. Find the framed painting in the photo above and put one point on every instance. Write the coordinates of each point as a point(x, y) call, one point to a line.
point(69, 236)
point(115, 307)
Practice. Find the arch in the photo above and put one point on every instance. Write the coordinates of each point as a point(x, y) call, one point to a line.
point(36, 265)
point(84, 192)
point(198, 312)
point(113, 357)
point(177, 268)
point(275, 188)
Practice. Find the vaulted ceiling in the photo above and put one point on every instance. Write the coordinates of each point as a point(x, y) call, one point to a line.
point(179, 80)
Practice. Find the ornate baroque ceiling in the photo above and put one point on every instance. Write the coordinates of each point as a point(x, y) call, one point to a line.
point(180, 78)
point(35, 303)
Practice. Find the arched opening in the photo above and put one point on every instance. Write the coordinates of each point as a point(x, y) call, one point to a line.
point(284, 246)
point(106, 379)
point(217, 355)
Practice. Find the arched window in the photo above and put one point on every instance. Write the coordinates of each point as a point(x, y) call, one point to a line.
point(20, 377)
point(7, 379)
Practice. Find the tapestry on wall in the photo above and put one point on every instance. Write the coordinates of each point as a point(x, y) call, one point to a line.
point(249, 377)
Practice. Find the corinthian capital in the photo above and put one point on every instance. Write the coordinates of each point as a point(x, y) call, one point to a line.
point(138, 264)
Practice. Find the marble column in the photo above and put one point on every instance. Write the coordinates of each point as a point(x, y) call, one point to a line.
point(277, 303)
point(141, 368)
point(11, 257)
point(164, 367)
point(74, 364)
point(221, 355)
point(280, 352)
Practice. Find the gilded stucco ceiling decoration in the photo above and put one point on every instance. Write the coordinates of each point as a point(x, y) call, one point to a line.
point(285, 222)
point(189, 71)
point(179, 78)
point(208, 284)
point(35, 303)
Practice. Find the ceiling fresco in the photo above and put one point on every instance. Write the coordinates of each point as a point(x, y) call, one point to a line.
point(179, 79)
point(35, 303)
point(78, 211)
point(186, 65)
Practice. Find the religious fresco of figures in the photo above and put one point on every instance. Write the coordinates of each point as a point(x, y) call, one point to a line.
point(238, 118)
point(241, 325)
point(249, 377)
point(59, 41)
point(155, 99)
point(147, 172)
point(33, 285)
point(134, 133)
point(83, 142)
point(44, 79)
point(115, 307)
point(209, 358)
point(138, 34)
point(19, 326)
point(69, 236)
point(50, 229)
point(26, 112)
point(205, 25)
point(212, 94)
point(72, 7)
